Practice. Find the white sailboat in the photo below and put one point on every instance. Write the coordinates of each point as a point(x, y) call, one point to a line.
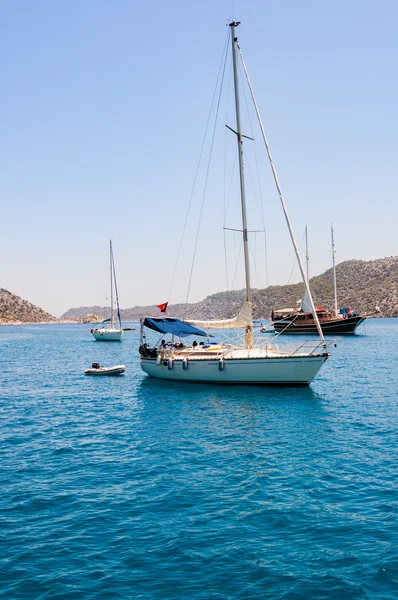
point(110, 333)
point(248, 363)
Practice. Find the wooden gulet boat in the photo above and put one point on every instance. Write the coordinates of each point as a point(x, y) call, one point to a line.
point(293, 322)
point(300, 320)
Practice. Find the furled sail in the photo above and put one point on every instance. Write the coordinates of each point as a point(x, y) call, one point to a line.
point(243, 319)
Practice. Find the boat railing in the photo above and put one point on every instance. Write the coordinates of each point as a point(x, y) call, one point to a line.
point(309, 343)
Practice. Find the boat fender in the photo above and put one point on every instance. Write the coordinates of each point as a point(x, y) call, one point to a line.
point(170, 364)
point(185, 364)
point(221, 364)
point(158, 359)
point(213, 347)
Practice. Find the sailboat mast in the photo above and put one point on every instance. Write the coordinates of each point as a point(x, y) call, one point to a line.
point(110, 262)
point(307, 256)
point(249, 329)
point(334, 272)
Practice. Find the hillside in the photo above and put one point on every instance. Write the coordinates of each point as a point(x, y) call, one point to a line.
point(360, 284)
point(14, 309)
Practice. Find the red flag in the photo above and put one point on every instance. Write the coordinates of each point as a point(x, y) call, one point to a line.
point(163, 307)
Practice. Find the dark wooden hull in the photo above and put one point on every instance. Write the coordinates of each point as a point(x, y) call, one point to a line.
point(330, 327)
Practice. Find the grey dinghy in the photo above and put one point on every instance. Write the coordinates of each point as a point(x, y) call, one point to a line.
point(96, 369)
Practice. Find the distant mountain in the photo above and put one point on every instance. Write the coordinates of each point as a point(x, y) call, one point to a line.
point(360, 284)
point(102, 312)
point(14, 309)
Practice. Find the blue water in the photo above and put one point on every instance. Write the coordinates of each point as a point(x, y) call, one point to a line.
point(133, 488)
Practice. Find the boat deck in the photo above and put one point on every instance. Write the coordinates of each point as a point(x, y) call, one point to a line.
point(231, 353)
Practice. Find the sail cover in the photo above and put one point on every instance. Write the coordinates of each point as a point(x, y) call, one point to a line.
point(243, 319)
point(171, 325)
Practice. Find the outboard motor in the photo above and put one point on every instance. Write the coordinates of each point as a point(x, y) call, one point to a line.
point(147, 352)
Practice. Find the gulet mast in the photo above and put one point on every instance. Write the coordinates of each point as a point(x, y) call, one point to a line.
point(234, 41)
point(334, 272)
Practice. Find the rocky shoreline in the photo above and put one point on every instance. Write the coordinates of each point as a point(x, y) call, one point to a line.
point(86, 320)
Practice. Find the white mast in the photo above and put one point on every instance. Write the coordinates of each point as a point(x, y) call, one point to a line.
point(110, 261)
point(278, 187)
point(234, 40)
point(334, 273)
point(307, 256)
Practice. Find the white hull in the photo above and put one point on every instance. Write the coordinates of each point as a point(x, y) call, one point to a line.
point(281, 370)
point(107, 335)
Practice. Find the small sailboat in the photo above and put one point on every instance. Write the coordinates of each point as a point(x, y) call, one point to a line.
point(96, 369)
point(300, 320)
point(110, 333)
point(248, 363)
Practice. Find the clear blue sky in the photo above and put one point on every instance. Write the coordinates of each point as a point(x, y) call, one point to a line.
point(104, 106)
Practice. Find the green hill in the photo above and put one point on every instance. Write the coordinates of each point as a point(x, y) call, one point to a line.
point(360, 284)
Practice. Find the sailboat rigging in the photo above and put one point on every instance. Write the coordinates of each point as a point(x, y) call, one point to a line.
point(249, 363)
point(111, 333)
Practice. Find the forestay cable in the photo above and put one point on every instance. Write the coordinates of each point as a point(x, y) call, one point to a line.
point(259, 201)
point(278, 187)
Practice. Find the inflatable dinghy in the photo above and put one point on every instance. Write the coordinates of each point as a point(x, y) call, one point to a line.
point(96, 369)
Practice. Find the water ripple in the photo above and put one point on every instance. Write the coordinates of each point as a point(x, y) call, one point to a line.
point(133, 488)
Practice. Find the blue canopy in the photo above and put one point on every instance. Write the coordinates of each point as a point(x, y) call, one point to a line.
point(171, 325)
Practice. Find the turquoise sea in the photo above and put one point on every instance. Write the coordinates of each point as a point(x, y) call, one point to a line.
point(133, 488)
